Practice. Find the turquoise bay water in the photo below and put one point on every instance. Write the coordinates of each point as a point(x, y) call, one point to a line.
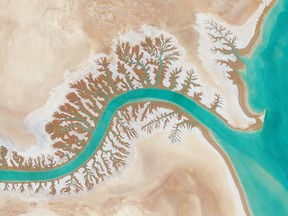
point(260, 158)
point(265, 178)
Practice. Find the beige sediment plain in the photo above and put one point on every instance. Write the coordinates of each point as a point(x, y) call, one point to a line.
point(61, 35)
point(256, 38)
point(164, 179)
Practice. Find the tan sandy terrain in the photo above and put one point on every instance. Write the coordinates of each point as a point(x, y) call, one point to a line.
point(39, 40)
point(164, 179)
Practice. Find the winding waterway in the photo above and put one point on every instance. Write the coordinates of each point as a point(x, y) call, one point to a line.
point(260, 158)
point(139, 95)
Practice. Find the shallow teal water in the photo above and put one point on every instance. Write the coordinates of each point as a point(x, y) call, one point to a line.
point(260, 158)
point(267, 73)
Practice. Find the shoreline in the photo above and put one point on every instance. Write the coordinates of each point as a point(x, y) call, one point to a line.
point(207, 134)
point(256, 38)
point(243, 101)
point(248, 51)
point(240, 83)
